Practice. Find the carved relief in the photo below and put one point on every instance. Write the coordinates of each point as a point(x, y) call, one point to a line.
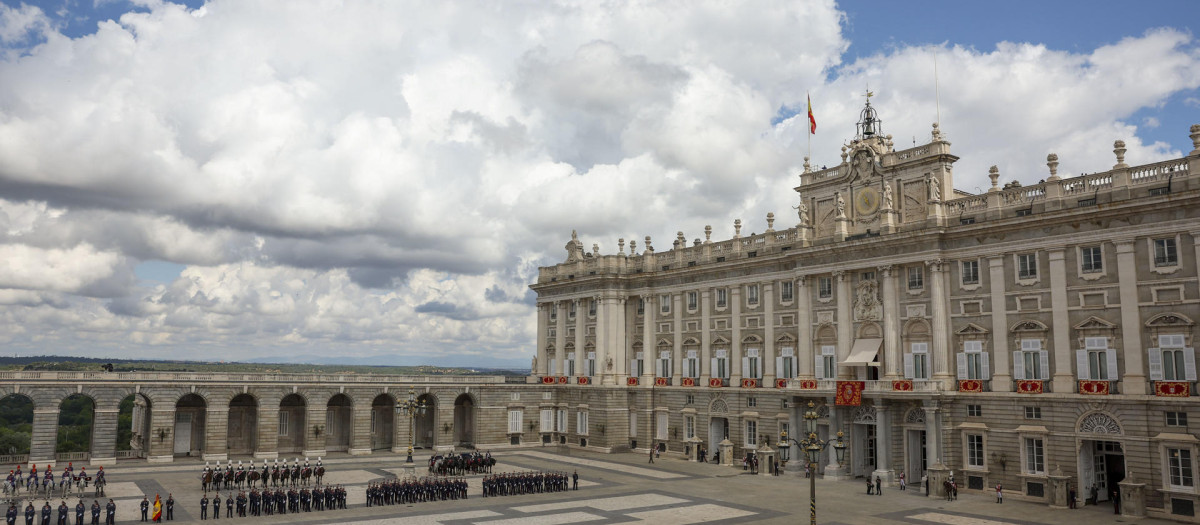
point(914, 200)
point(718, 407)
point(824, 317)
point(915, 310)
point(1099, 423)
point(826, 213)
point(866, 302)
point(916, 415)
point(864, 414)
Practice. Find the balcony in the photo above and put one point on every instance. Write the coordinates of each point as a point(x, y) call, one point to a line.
point(1031, 386)
point(1097, 387)
point(718, 382)
point(1173, 388)
point(889, 386)
point(662, 381)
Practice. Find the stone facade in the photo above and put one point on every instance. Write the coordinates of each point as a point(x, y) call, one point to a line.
point(1010, 335)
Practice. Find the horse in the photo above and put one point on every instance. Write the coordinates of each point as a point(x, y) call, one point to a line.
point(274, 477)
point(240, 479)
point(318, 474)
point(100, 484)
point(295, 476)
point(253, 478)
point(951, 490)
point(304, 475)
point(206, 479)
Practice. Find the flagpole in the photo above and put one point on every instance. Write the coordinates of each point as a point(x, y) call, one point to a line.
point(937, 97)
point(808, 124)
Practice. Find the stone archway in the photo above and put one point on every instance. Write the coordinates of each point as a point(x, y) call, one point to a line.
point(16, 426)
point(133, 425)
point(292, 424)
point(188, 434)
point(242, 432)
point(76, 414)
point(339, 419)
point(426, 425)
point(464, 421)
point(383, 422)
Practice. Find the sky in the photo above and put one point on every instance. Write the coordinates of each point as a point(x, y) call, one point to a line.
point(378, 182)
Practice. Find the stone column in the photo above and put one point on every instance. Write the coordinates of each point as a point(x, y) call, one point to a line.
point(360, 433)
point(677, 339)
point(314, 420)
point(768, 353)
point(44, 436)
point(1064, 381)
point(580, 340)
point(162, 450)
point(104, 436)
point(649, 328)
point(619, 339)
point(560, 339)
point(216, 434)
point(1133, 381)
point(602, 340)
point(705, 354)
point(735, 346)
point(941, 320)
point(543, 327)
point(883, 443)
point(891, 325)
point(835, 471)
point(933, 434)
point(1001, 373)
point(797, 431)
point(845, 325)
point(268, 425)
point(805, 351)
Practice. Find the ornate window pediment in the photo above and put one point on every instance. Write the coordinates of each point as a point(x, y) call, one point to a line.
point(864, 414)
point(752, 339)
point(1099, 423)
point(916, 415)
point(1095, 323)
point(1028, 326)
point(786, 338)
point(720, 340)
point(1170, 319)
point(971, 329)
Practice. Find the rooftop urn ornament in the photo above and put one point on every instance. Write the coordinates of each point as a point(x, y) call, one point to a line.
point(1052, 162)
point(807, 166)
point(682, 240)
point(1195, 140)
point(595, 249)
point(649, 248)
point(707, 233)
point(1119, 150)
point(621, 246)
point(844, 154)
point(632, 246)
point(994, 174)
point(937, 133)
point(770, 221)
point(737, 228)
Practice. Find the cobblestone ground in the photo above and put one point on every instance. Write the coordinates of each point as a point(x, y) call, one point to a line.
point(614, 488)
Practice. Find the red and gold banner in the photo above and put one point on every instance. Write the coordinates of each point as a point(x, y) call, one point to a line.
point(547, 380)
point(902, 385)
point(689, 381)
point(714, 382)
point(807, 384)
point(562, 380)
point(660, 381)
point(971, 386)
point(1172, 389)
point(1093, 388)
point(631, 381)
point(582, 380)
point(849, 393)
point(1029, 386)
point(749, 383)
point(781, 383)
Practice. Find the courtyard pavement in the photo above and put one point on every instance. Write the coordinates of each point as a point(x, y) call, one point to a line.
point(614, 488)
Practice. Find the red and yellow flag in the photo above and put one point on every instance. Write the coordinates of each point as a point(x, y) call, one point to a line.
point(812, 121)
point(157, 509)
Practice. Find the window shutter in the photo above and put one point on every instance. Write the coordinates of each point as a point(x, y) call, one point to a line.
point(1044, 361)
point(1110, 355)
point(1189, 364)
point(1018, 365)
point(962, 365)
point(1155, 364)
point(1081, 364)
point(670, 368)
point(779, 372)
point(745, 367)
point(632, 367)
point(547, 421)
point(820, 366)
point(712, 367)
point(908, 366)
point(985, 366)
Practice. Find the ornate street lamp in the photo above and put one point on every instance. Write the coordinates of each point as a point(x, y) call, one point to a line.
point(812, 447)
point(411, 408)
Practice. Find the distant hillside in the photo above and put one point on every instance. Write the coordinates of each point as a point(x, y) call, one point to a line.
point(65, 363)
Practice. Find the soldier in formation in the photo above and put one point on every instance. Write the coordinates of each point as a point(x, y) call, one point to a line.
point(524, 483)
point(397, 491)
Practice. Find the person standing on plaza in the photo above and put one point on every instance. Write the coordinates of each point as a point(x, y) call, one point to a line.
point(145, 506)
point(652, 449)
point(878, 486)
point(80, 510)
point(10, 517)
point(1071, 497)
point(204, 507)
point(95, 512)
point(902, 481)
point(1115, 495)
point(216, 502)
point(29, 514)
point(110, 512)
point(999, 493)
point(170, 507)
point(870, 487)
point(46, 511)
point(575, 480)
point(64, 513)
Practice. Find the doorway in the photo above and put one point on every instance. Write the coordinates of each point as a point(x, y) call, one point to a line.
point(718, 431)
point(916, 456)
point(864, 450)
point(1103, 467)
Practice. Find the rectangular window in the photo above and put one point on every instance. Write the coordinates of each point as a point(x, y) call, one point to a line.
point(569, 366)
point(1027, 266)
point(1179, 465)
point(690, 399)
point(919, 359)
point(751, 401)
point(1090, 260)
point(974, 363)
point(786, 365)
point(785, 291)
point(547, 420)
point(916, 278)
point(826, 362)
point(720, 364)
point(750, 364)
point(751, 433)
point(1033, 360)
point(661, 430)
point(553, 313)
point(752, 294)
point(581, 423)
point(590, 364)
point(1025, 212)
point(1165, 253)
point(825, 287)
point(1176, 419)
point(592, 308)
point(283, 423)
point(722, 298)
point(664, 303)
point(692, 301)
point(641, 309)
point(514, 421)
point(1174, 358)
point(689, 427)
point(691, 364)
point(1033, 412)
point(974, 450)
point(1101, 363)
point(974, 410)
point(970, 272)
point(1035, 462)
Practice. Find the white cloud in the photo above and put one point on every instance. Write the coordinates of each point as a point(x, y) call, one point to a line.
point(386, 178)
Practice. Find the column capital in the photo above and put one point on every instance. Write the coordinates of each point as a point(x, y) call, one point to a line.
point(802, 280)
point(1055, 254)
point(886, 270)
point(1124, 245)
point(936, 265)
point(840, 275)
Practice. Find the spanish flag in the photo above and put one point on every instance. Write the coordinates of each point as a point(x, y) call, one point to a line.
point(157, 515)
point(812, 121)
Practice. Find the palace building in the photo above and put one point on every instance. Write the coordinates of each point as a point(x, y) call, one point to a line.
point(1037, 336)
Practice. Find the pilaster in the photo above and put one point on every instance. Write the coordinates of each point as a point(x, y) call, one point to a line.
point(1064, 381)
point(1001, 370)
point(216, 435)
point(677, 339)
point(314, 420)
point(543, 326)
point(735, 346)
point(162, 445)
point(649, 324)
point(580, 340)
point(268, 426)
point(769, 351)
point(845, 325)
point(560, 338)
point(44, 436)
point(891, 324)
point(104, 436)
point(1133, 381)
point(705, 335)
point(941, 320)
point(883, 440)
point(360, 433)
point(804, 342)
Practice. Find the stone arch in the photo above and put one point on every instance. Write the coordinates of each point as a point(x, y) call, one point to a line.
point(133, 424)
point(191, 411)
point(864, 414)
point(425, 425)
point(464, 420)
point(1098, 422)
point(383, 421)
point(242, 430)
point(76, 415)
point(293, 424)
point(17, 431)
point(869, 330)
point(915, 416)
point(339, 422)
point(1028, 325)
point(718, 406)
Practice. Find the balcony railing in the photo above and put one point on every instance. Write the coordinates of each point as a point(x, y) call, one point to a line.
point(205, 377)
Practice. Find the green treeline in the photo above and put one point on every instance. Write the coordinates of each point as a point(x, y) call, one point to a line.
point(16, 424)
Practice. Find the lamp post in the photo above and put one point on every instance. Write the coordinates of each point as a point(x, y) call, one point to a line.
point(812, 450)
point(411, 408)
